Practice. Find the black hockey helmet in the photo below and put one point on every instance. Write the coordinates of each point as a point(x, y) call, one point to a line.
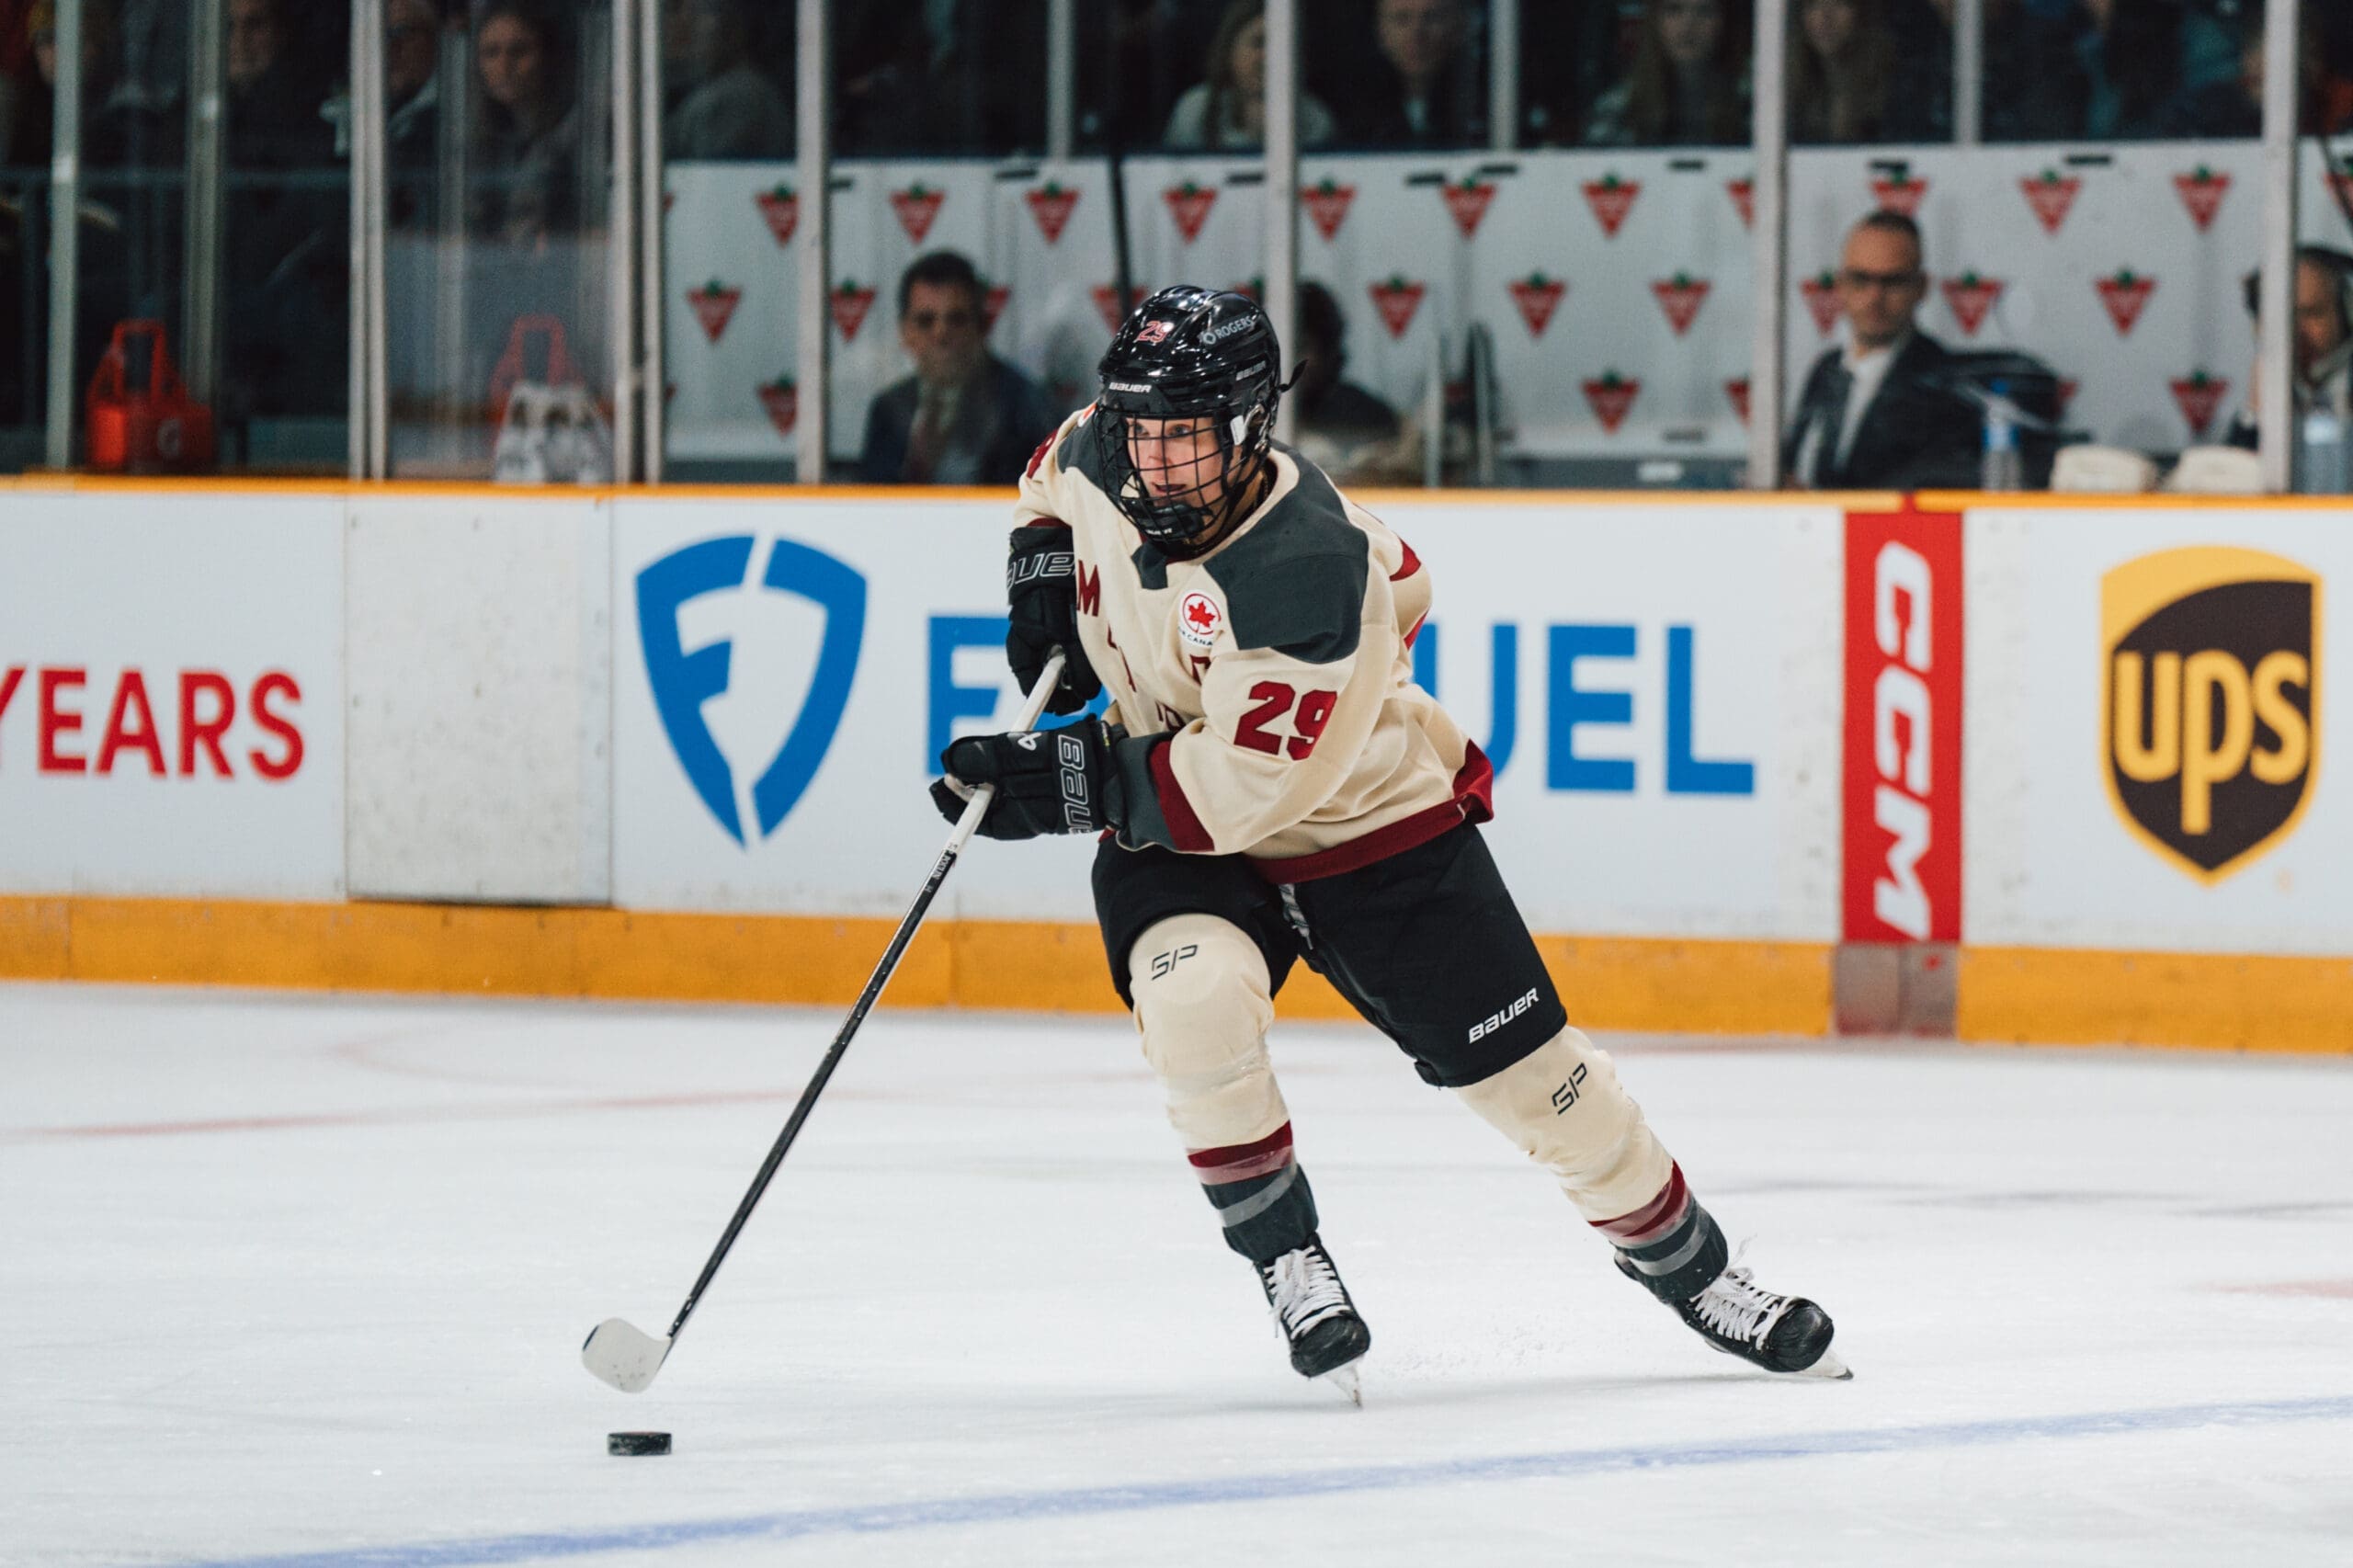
point(1188, 353)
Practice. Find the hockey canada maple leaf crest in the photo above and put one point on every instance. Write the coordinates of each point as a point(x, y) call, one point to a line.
point(916, 207)
point(782, 210)
point(2202, 191)
point(2200, 395)
point(713, 304)
point(1469, 202)
point(1049, 204)
point(850, 304)
point(782, 402)
point(2125, 295)
point(1971, 297)
point(1189, 204)
point(1900, 192)
point(1397, 299)
point(1737, 391)
point(1680, 297)
point(1821, 292)
point(1612, 397)
point(2052, 196)
point(1327, 203)
point(1611, 198)
point(1198, 619)
point(1538, 297)
point(1743, 200)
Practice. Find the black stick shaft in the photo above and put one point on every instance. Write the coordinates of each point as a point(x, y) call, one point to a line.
point(1047, 680)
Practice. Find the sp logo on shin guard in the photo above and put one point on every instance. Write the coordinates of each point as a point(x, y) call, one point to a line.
point(1162, 963)
point(1567, 1093)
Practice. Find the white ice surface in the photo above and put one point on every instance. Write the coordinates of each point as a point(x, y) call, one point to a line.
point(292, 1278)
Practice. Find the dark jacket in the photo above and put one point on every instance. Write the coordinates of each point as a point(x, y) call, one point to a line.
point(1917, 434)
point(1014, 415)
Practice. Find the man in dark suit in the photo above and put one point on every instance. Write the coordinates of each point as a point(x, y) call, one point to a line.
point(1882, 414)
point(965, 417)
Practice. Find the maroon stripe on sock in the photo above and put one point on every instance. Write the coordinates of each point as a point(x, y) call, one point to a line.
point(1240, 1162)
point(1653, 1218)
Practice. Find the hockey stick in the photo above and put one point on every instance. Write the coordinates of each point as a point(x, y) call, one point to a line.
point(625, 1355)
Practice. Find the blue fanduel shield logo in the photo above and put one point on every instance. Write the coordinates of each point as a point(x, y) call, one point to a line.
point(684, 681)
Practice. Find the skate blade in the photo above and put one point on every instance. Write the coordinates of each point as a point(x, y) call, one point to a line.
point(1829, 1366)
point(1345, 1381)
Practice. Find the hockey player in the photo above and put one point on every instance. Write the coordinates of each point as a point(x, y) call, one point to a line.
point(1270, 786)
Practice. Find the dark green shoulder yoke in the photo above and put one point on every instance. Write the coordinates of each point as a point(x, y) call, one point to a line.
point(1081, 453)
point(1295, 582)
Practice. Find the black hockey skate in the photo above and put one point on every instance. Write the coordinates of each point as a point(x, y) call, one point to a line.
point(1781, 1334)
point(1314, 1310)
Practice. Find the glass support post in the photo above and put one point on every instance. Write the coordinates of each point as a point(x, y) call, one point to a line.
point(1769, 243)
point(814, 173)
point(1282, 193)
point(202, 233)
point(64, 204)
point(2276, 325)
point(1503, 74)
point(1968, 72)
point(655, 380)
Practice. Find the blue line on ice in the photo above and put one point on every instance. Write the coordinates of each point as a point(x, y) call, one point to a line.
point(884, 1518)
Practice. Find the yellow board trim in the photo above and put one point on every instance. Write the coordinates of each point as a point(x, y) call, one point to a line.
point(1610, 981)
point(2209, 1001)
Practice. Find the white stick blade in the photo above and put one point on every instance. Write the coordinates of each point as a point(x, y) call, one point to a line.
point(624, 1355)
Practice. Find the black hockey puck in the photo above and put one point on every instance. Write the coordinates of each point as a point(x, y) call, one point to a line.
point(637, 1442)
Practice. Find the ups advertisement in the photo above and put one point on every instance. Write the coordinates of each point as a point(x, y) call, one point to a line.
point(2212, 706)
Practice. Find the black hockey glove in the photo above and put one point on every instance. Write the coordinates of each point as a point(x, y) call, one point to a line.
point(1046, 780)
point(1042, 599)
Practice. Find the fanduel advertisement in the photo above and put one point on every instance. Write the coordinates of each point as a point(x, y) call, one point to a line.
point(1659, 701)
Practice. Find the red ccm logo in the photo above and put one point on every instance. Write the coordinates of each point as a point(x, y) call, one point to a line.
point(1901, 786)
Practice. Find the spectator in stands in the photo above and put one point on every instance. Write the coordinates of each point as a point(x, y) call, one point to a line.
point(2102, 69)
point(1228, 111)
point(730, 108)
point(945, 75)
point(2235, 107)
point(274, 119)
point(1341, 426)
point(1688, 84)
point(965, 417)
point(528, 139)
point(1845, 80)
point(1920, 95)
point(2323, 340)
point(1880, 413)
point(1423, 89)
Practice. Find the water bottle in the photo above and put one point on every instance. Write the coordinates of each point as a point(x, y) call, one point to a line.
point(2003, 466)
point(2320, 452)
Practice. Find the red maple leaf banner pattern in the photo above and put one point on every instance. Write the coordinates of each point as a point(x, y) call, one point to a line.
point(2202, 191)
point(1744, 200)
point(1821, 292)
point(780, 209)
point(1611, 198)
point(1469, 202)
point(1327, 204)
point(2200, 395)
point(1049, 204)
point(849, 303)
point(782, 402)
point(2125, 295)
point(1972, 298)
point(916, 207)
point(992, 301)
point(1900, 193)
point(1737, 391)
point(1538, 297)
point(1106, 302)
point(1680, 297)
point(713, 304)
point(2053, 196)
point(1612, 397)
point(1397, 299)
point(1189, 204)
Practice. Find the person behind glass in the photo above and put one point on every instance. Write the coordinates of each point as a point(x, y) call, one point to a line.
point(1843, 77)
point(1689, 83)
point(730, 107)
point(2323, 337)
point(412, 111)
point(1880, 413)
point(1344, 429)
point(527, 138)
point(965, 417)
point(1228, 111)
point(1415, 94)
point(2103, 69)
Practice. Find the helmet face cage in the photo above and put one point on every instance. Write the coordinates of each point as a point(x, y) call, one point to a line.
point(1207, 359)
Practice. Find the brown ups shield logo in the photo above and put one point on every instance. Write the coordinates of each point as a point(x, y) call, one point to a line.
point(2210, 708)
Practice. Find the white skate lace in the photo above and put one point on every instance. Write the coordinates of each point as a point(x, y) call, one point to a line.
point(1306, 1289)
point(1733, 1307)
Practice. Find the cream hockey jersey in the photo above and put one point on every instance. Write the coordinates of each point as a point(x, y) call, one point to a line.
point(1277, 665)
